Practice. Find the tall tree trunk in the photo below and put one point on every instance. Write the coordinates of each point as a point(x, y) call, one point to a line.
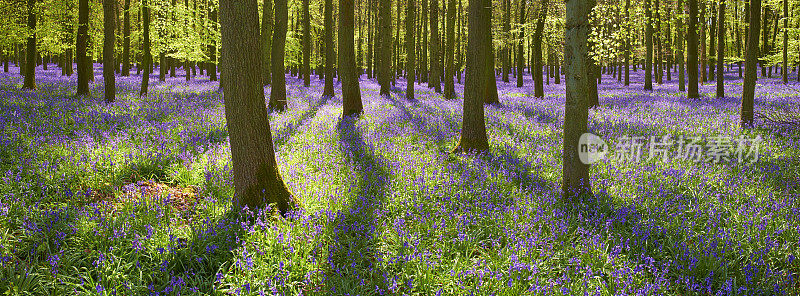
point(147, 58)
point(435, 74)
point(703, 49)
point(648, 35)
point(384, 44)
point(212, 65)
point(679, 47)
point(126, 43)
point(277, 95)
point(785, 61)
point(266, 42)
point(80, 47)
point(410, 58)
point(329, 56)
point(351, 94)
point(659, 54)
point(765, 32)
point(256, 178)
point(711, 42)
point(575, 175)
point(506, 31)
point(627, 43)
point(478, 72)
point(721, 50)
point(306, 68)
point(751, 59)
point(537, 51)
point(109, 19)
point(691, 52)
point(449, 69)
point(520, 41)
point(30, 63)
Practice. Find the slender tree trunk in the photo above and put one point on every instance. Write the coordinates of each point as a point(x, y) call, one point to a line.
point(277, 96)
point(627, 43)
point(109, 19)
point(30, 63)
point(691, 52)
point(80, 47)
point(680, 46)
point(266, 42)
point(785, 61)
point(749, 86)
point(384, 44)
point(721, 50)
point(147, 58)
point(410, 58)
point(575, 175)
point(520, 41)
point(711, 42)
point(479, 71)
point(256, 178)
point(506, 44)
point(435, 74)
point(212, 65)
point(648, 35)
point(351, 93)
point(538, 84)
point(306, 68)
point(329, 55)
point(449, 70)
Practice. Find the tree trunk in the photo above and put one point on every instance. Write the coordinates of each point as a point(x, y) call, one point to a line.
point(505, 45)
point(306, 68)
point(537, 51)
point(410, 58)
point(721, 50)
point(449, 70)
point(679, 47)
point(520, 41)
point(277, 95)
point(212, 65)
point(30, 63)
point(255, 172)
point(348, 73)
point(266, 42)
point(147, 58)
point(575, 175)
point(109, 19)
point(749, 86)
point(329, 55)
point(478, 73)
point(80, 47)
point(785, 61)
point(126, 40)
point(384, 46)
point(691, 52)
point(435, 74)
point(648, 37)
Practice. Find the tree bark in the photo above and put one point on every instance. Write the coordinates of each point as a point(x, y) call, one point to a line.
point(749, 86)
point(147, 58)
point(785, 61)
point(478, 73)
point(679, 48)
point(257, 181)
point(384, 45)
point(449, 70)
point(538, 83)
point(504, 52)
point(435, 72)
point(329, 55)
point(277, 96)
point(691, 52)
point(109, 19)
point(266, 42)
point(648, 37)
point(305, 69)
point(721, 50)
point(520, 51)
point(575, 175)
point(348, 73)
point(410, 58)
point(80, 48)
point(30, 61)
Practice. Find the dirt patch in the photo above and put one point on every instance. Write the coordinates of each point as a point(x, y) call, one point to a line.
point(180, 198)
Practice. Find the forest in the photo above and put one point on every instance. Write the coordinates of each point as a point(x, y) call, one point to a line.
point(400, 147)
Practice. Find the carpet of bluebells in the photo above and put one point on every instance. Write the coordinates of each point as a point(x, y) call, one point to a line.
point(134, 197)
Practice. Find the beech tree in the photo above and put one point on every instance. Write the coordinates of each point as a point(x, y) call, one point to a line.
point(256, 178)
point(329, 57)
point(30, 61)
point(266, 41)
point(348, 72)
point(751, 61)
point(147, 58)
point(449, 54)
point(108, 50)
point(277, 95)
point(410, 58)
point(691, 52)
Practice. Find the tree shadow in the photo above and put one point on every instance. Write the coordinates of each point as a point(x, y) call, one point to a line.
point(353, 255)
point(283, 135)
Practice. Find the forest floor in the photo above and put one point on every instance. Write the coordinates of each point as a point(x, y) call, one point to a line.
point(134, 197)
